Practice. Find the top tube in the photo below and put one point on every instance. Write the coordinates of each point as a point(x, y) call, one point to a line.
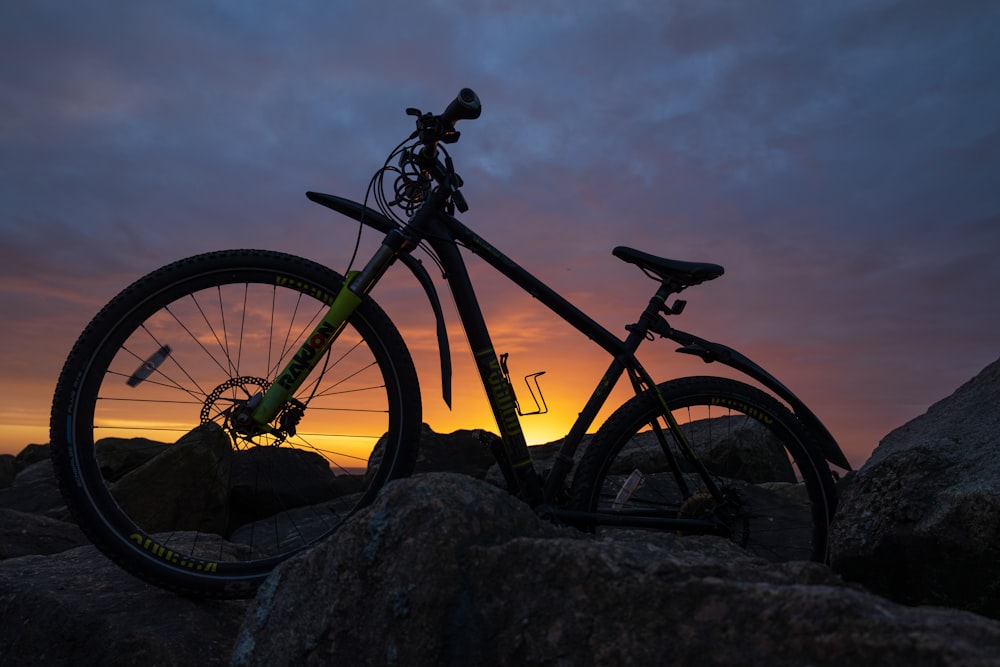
point(533, 286)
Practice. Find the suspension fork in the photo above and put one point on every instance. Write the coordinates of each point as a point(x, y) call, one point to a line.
point(356, 286)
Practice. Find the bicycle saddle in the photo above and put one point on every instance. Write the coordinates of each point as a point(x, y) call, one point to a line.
point(686, 273)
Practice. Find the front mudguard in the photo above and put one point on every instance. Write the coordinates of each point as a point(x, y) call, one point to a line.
point(377, 221)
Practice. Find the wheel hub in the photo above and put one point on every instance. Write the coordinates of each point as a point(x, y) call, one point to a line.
point(229, 406)
point(729, 513)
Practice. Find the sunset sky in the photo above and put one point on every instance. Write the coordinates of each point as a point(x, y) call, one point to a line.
point(840, 159)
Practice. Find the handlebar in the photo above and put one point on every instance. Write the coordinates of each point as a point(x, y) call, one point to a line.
point(431, 130)
point(465, 106)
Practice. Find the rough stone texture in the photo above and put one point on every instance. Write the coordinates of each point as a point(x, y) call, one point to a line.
point(119, 456)
point(23, 534)
point(920, 521)
point(460, 451)
point(446, 570)
point(8, 470)
point(745, 451)
point(34, 490)
point(181, 488)
point(77, 608)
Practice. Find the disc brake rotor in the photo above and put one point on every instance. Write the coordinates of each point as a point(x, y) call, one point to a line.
point(231, 399)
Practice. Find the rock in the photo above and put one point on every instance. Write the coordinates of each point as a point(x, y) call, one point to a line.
point(35, 491)
point(201, 483)
point(183, 487)
point(738, 450)
point(23, 534)
point(920, 521)
point(460, 451)
point(77, 608)
point(33, 454)
point(257, 492)
point(8, 470)
point(120, 456)
point(445, 569)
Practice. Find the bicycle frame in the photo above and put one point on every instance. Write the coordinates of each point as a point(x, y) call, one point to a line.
point(487, 363)
point(444, 233)
point(234, 334)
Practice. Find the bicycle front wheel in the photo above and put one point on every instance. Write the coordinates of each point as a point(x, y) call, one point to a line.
point(743, 466)
point(145, 442)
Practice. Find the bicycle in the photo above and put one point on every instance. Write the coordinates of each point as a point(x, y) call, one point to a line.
point(288, 399)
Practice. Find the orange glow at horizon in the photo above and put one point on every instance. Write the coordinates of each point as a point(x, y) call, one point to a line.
point(537, 341)
point(571, 372)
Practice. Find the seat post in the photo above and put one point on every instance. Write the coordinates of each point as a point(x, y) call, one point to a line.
point(651, 318)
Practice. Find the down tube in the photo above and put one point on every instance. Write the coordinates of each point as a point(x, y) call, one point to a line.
point(497, 389)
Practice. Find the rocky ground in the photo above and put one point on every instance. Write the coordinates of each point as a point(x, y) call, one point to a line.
point(445, 569)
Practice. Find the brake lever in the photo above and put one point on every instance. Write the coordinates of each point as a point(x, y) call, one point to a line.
point(432, 129)
point(458, 199)
point(454, 183)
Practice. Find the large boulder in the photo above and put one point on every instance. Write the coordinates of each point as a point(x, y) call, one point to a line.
point(11, 465)
point(184, 487)
point(445, 569)
point(268, 480)
point(120, 456)
point(462, 451)
point(8, 470)
point(920, 521)
point(202, 483)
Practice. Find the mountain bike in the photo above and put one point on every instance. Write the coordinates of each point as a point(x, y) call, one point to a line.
point(233, 408)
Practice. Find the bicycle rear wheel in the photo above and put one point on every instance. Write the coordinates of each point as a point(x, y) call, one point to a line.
point(143, 441)
point(774, 494)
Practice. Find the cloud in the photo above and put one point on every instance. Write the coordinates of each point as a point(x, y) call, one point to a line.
point(838, 159)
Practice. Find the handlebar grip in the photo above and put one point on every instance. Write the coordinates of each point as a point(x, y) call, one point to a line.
point(465, 106)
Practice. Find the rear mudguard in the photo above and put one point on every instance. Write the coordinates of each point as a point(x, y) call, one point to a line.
point(710, 352)
point(376, 220)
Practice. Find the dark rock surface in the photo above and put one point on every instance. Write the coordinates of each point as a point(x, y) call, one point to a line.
point(446, 570)
point(34, 491)
point(920, 521)
point(77, 608)
point(24, 534)
point(460, 451)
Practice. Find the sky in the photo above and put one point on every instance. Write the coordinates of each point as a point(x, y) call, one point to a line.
point(840, 159)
